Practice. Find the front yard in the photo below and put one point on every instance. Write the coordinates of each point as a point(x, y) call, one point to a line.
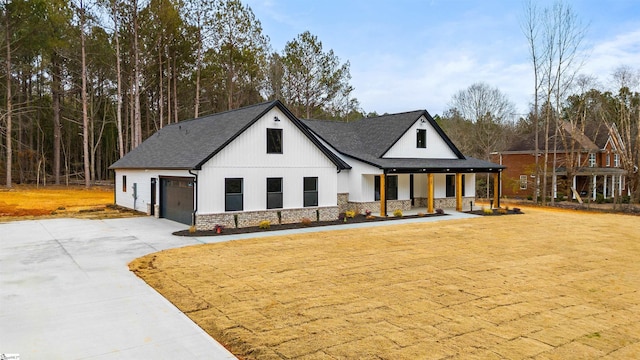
point(549, 284)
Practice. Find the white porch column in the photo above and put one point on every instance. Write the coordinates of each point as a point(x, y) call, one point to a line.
point(620, 186)
point(604, 189)
point(594, 187)
point(555, 186)
point(573, 184)
point(613, 186)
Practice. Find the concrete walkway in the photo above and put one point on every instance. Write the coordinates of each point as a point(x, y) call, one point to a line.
point(66, 291)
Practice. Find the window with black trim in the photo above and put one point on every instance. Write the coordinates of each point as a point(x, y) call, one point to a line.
point(310, 191)
point(463, 190)
point(451, 186)
point(274, 193)
point(124, 183)
point(421, 138)
point(274, 141)
point(391, 182)
point(233, 200)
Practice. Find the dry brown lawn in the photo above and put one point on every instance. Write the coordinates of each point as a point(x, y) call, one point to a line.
point(29, 202)
point(544, 285)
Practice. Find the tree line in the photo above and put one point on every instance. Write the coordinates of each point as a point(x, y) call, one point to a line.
point(481, 119)
point(86, 81)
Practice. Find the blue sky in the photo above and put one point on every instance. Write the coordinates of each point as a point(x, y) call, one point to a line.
point(411, 54)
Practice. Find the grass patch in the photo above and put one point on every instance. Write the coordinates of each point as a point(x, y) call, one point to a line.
point(28, 202)
point(405, 291)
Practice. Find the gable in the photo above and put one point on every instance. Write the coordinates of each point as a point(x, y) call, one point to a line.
point(249, 149)
point(190, 144)
point(406, 146)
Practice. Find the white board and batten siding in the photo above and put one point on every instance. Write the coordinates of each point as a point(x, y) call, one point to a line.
point(246, 157)
point(405, 147)
point(140, 179)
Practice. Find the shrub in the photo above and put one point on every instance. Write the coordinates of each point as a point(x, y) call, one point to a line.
point(560, 197)
point(420, 214)
point(350, 214)
point(439, 211)
point(218, 228)
point(625, 199)
point(502, 211)
point(487, 211)
point(306, 221)
point(342, 217)
point(367, 212)
point(397, 213)
point(516, 210)
point(599, 198)
point(264, 224)
point(529, 197)
point(370, 217)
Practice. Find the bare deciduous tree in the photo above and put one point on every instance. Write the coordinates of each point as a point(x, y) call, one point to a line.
point(555, 37)
point(490, 112)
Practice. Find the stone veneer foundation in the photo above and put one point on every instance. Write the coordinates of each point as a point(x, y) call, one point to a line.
point(374, 206)
point(289, 216)
point(275, 216)
point(405, 205)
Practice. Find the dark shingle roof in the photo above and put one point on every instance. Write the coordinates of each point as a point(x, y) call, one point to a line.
point(369, 139)
point(189, 144)
point(593, 138)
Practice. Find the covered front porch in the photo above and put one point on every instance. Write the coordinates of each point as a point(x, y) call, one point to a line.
point(432, 189)
point(589, 182)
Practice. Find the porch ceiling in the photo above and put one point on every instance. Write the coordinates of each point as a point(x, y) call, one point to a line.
point(590, 171)
point(415, 165)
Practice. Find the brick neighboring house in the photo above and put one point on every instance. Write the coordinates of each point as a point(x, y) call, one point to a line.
point(587, 161)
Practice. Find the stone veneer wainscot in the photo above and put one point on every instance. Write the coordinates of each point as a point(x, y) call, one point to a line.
point(253, 218)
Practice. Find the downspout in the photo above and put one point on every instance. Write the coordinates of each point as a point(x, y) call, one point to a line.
point(195, 210)
point(115, 176)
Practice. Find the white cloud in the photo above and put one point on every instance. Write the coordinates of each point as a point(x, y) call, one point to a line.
point(431, 80)
point(606, 56)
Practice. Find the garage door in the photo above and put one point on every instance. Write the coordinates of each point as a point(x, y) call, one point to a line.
point(176, 199)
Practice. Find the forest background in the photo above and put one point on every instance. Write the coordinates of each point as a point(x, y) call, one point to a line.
point(84, 82)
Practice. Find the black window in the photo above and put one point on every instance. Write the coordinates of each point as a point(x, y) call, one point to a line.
point(463, 190)
point(451, 185)
point(310, 191)
point(391, 185)
point(274, 193)
point(233, 194)
point(421, 141)
point(274, 141)
point(124, 183)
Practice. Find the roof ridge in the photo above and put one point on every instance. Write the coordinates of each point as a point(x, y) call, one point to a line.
point(394, 114)
point(224, 112)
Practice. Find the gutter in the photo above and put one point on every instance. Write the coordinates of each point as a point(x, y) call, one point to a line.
point(195, 210)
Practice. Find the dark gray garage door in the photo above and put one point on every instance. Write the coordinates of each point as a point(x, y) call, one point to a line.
point(176, 199)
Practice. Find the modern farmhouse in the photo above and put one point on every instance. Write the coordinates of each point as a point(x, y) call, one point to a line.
point(260, 162)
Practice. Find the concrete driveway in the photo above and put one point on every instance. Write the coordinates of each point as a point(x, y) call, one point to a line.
point(66, 293)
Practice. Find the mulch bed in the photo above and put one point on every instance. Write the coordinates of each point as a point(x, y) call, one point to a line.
point(496, 212)
point(275, 227)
